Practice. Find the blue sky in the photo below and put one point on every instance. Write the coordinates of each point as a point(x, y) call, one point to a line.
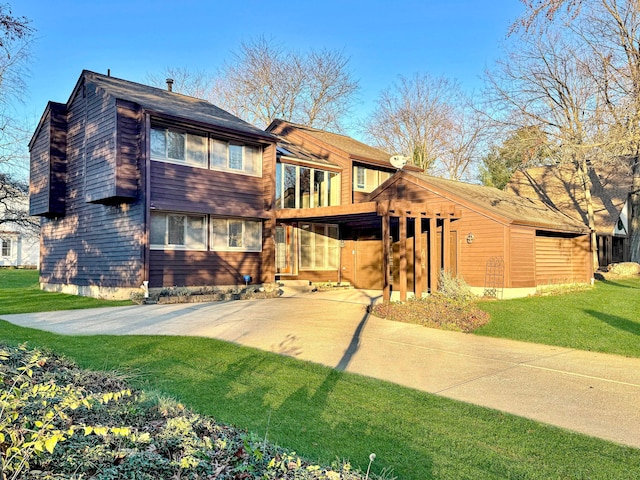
point(383, 39)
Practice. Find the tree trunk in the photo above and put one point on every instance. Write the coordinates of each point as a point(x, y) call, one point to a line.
point(586, 184)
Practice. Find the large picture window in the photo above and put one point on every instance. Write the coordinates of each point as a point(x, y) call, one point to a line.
point(178, 231)
point(235, 234)
point(304, 187)
point(319, 247)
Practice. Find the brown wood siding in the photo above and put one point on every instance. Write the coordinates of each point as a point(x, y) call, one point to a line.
point(189, 268)
point(523, 257)
point(268, 257)
point(99, 145)
point(561, 259)
point(129, 150)
point(197, 190)
point(48, 165)
point(93, 244)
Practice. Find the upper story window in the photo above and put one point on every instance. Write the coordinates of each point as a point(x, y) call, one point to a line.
point(235, 157)
point(175, 231)
point(367, 180)
point(304, 187)
point(172, 145)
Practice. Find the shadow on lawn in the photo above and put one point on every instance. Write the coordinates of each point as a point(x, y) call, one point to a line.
point(618, 284)
point(617, 322)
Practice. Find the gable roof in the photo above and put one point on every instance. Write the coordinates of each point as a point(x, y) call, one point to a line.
point(494, 202)
point(559, 186)
point(350, 147)
point(172, 104)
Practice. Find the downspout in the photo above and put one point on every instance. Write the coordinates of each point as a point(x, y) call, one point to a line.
point(147, 201)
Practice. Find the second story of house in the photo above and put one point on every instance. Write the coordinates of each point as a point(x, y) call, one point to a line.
point(316, 168)
point(119, 142)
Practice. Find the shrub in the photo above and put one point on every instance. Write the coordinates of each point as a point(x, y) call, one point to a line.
point(57, 421)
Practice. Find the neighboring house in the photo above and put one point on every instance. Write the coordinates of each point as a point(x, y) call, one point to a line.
point(135, 184)
point(560, 187)
point(19, 245)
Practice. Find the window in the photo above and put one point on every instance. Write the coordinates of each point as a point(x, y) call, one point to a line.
point(319, 247)
point(178, 231)
point(6, 247)
point(367, 180)
point(179, 147)
point(233, 157)
point(304, 187)
point(234, 234)
point(197, 150)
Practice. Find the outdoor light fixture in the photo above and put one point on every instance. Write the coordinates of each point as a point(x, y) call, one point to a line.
point(470, 237)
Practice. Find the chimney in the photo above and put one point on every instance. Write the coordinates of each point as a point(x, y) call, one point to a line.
point(170, 84)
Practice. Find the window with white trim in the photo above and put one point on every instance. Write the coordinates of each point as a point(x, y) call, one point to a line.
point(179, 147)
point(236, 234)
point(319, 246)
point(177, 231)
point(6, 247)
point(367, 180)
point(236, 158)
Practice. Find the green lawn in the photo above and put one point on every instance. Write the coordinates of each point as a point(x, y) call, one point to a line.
point(20, 293)
point(323, 414)
point(605, 318)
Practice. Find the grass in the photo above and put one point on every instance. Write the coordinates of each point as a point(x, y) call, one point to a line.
point(605, 318)
point(323, 414)
point(20, 293)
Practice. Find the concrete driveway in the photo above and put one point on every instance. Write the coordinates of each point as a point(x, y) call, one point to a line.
point(591, 393)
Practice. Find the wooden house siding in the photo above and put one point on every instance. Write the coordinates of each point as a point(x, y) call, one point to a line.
point(48, 164)
point(191, 268)
point(523, 257)
point(93, 244)
point(567, 267)
point(99, 145)
point(128, 150)
point(488, 243)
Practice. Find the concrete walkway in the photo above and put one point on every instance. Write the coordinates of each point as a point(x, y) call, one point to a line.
point(592, 393)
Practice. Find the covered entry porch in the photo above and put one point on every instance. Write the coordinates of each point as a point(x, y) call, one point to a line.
point(388, 245)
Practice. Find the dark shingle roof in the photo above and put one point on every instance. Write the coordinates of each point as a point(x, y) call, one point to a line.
point(560, 187)
point(519, 210)
point(173, 104)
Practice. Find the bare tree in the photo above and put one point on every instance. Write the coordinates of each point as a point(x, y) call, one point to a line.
point(544, 84)
point(413, 118)
point(264, 81)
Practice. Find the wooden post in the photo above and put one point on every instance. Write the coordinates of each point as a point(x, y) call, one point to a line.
point(446, 227)
point(403, 257)
point(417, 258)
point(386, 251)
point(433, 253)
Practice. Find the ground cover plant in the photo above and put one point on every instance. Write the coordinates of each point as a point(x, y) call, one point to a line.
point(605, 318)
point(324, 415)
point(58, 421)
point(20, 293)
point(436, 311)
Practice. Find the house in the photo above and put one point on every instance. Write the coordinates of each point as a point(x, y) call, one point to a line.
point(135, 183)
point(410, 225)
point(138, 184)
point(19, 242)
point(560, 187)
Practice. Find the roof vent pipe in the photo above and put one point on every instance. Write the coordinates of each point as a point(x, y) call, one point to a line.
point(170, 84)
